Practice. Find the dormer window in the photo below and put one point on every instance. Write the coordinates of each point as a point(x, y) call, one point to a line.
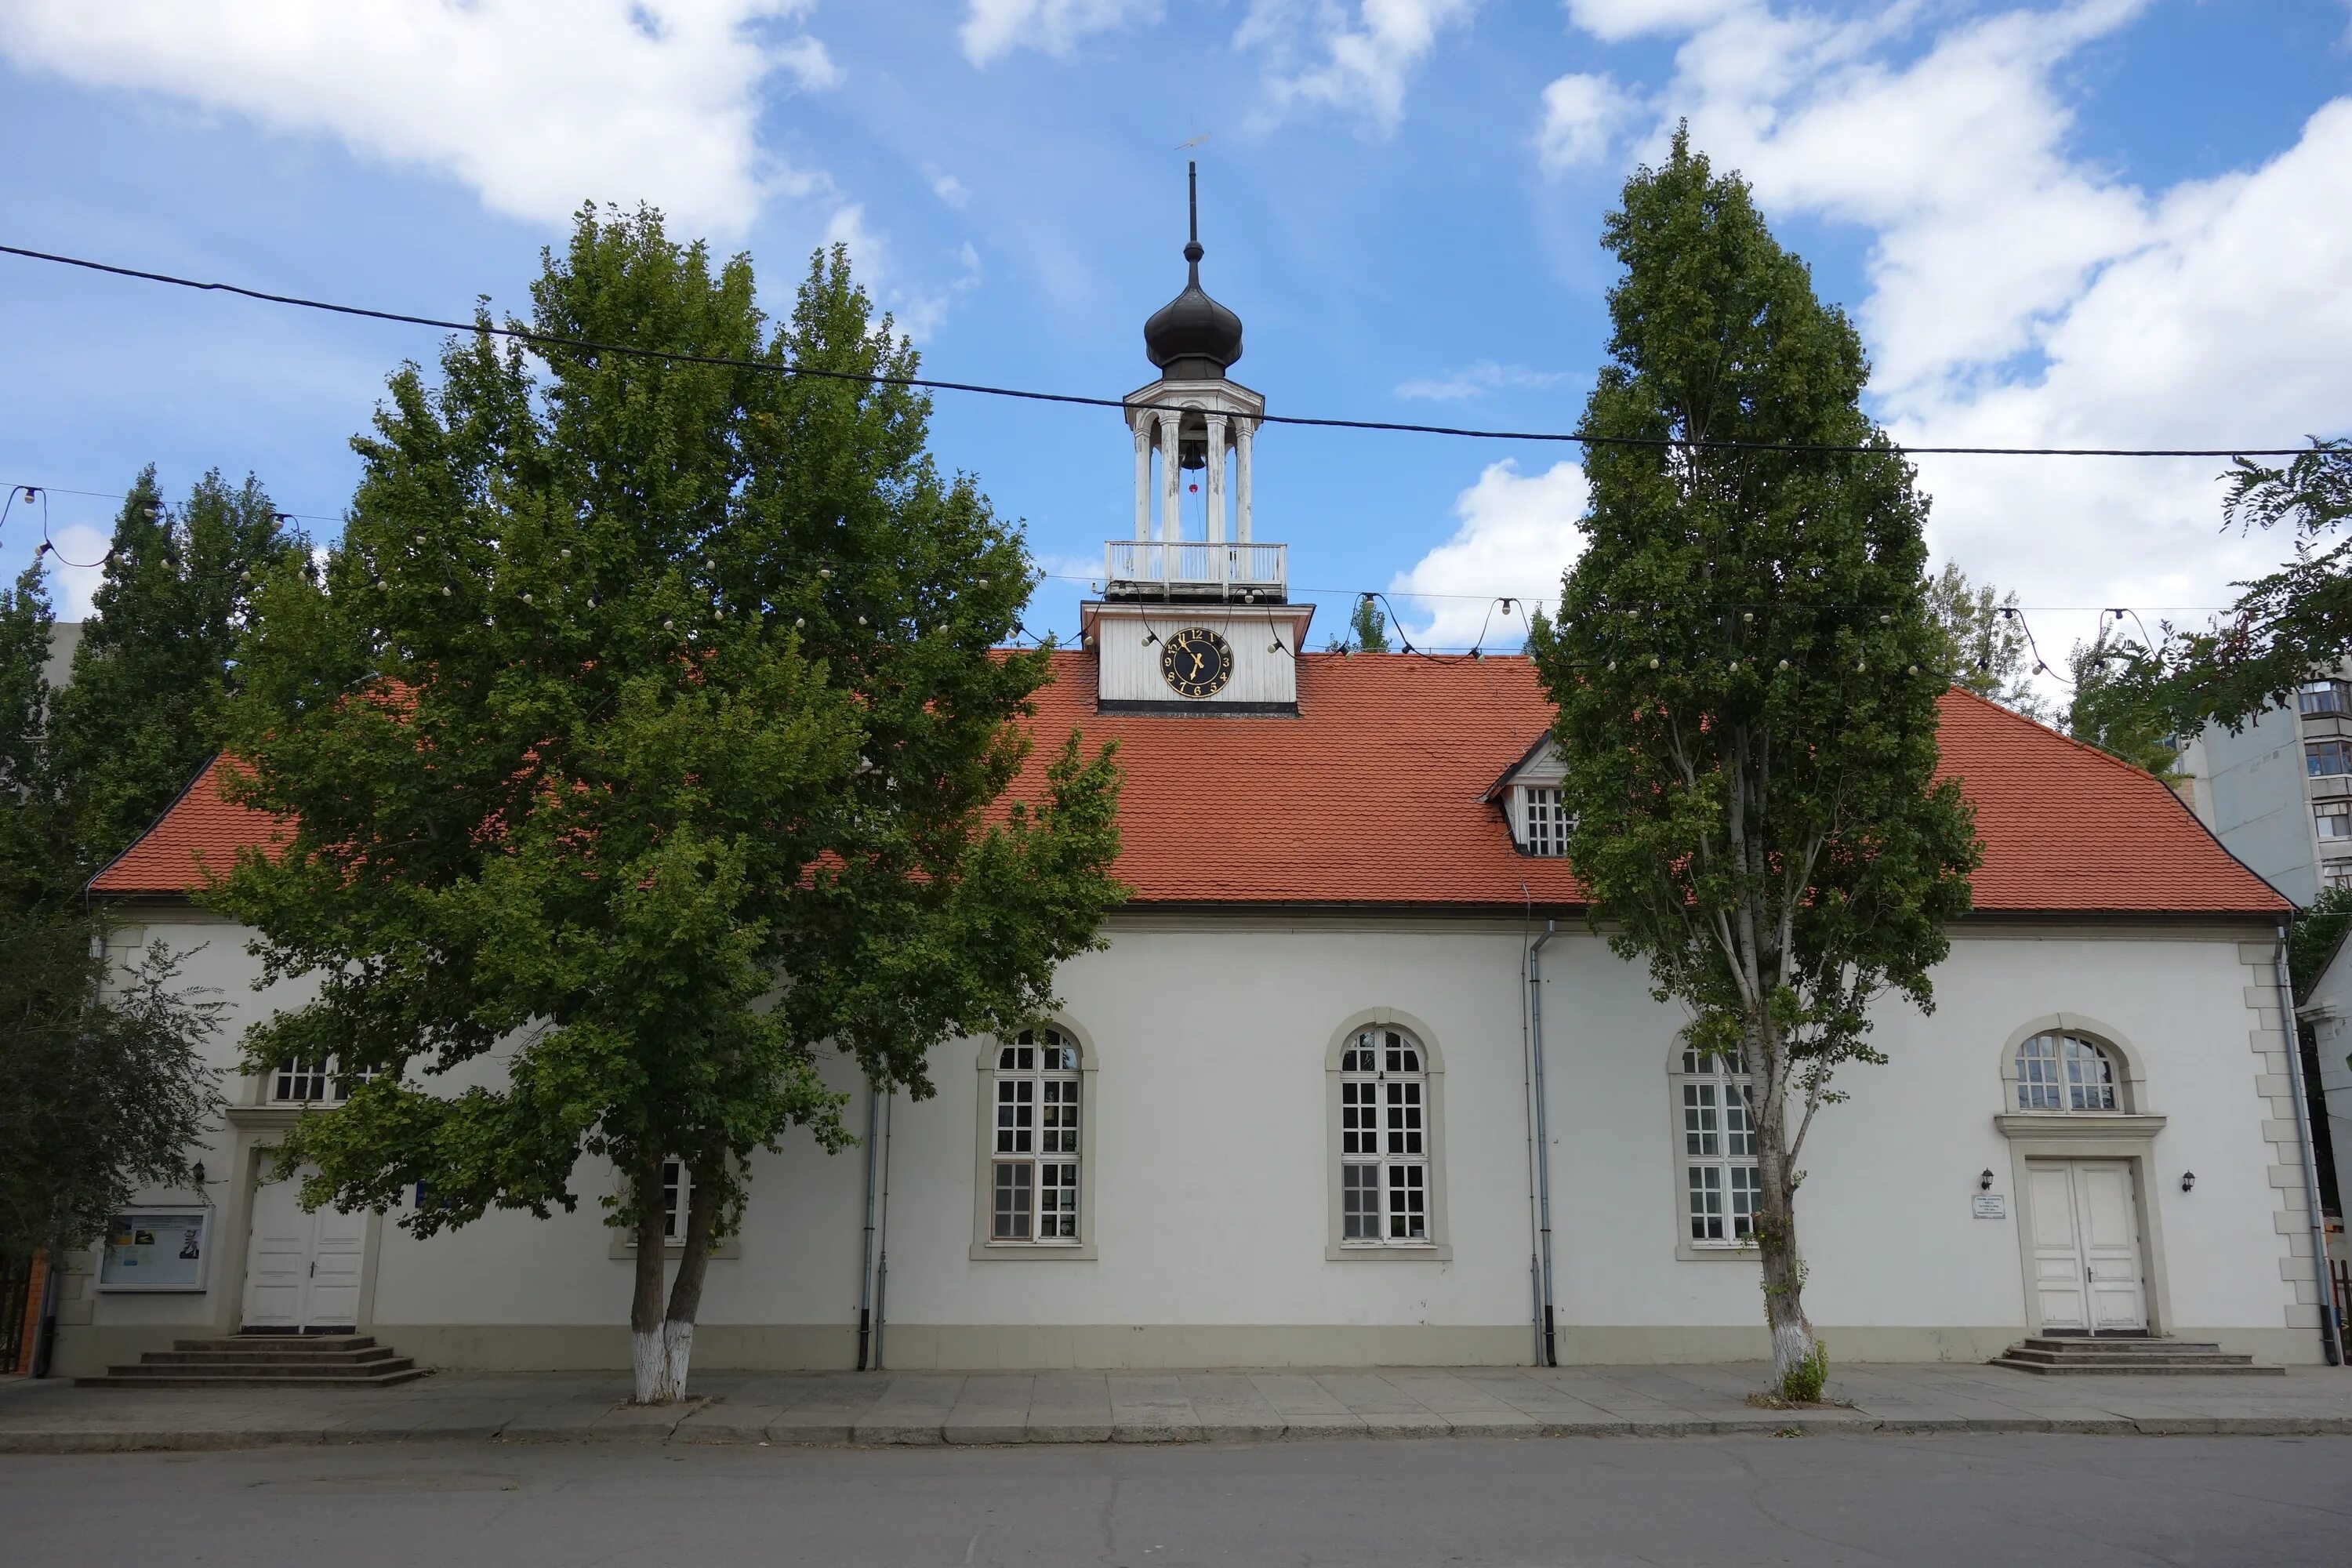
point(1543, 826)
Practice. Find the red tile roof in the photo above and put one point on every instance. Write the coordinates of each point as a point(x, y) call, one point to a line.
point(1373, 795)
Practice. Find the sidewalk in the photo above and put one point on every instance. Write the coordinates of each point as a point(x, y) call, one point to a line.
point(1168, 1407)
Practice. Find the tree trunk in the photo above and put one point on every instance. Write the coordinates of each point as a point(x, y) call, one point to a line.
point(1794, 1351)
point(685, 1292)
point(646, 1352)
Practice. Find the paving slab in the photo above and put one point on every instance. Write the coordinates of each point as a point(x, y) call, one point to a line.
point(1152, 1407)
point(991, 1410)
point(1231, 1408)
point(1069, 1407)
point(912, 1409)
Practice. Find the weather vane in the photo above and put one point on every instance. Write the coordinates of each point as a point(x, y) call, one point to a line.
point(1194, 142)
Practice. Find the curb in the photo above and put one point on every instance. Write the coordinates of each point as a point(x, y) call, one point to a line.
point(896, 1434)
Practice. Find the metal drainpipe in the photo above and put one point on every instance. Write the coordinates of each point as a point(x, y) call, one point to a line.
point(882, 1265)
point(1543, 1133)
point(2328, 1337)
point(865, 1257)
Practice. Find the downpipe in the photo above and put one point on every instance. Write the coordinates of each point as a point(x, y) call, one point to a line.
point(865, 1254)
point(2330, 1338)
point(1543, 1140)
point(882, 1260)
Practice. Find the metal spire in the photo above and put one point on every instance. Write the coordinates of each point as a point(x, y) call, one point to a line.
point(1193, 251)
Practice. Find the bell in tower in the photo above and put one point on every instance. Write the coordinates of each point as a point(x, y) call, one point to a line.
point(1194, 430)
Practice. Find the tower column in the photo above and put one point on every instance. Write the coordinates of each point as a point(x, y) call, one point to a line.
point(1171, 479)
point(1245, 434)
point(1142, 480)
point(1216, 423)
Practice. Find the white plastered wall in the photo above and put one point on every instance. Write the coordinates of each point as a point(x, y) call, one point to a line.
point(1210, 1173)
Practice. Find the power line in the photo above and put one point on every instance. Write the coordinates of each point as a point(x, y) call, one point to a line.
point(928, 384)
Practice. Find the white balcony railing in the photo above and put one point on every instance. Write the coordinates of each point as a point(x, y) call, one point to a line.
point(1195, 566)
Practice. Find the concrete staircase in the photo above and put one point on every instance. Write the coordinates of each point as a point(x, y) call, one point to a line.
point(265, 1360)
point(2070, 1354)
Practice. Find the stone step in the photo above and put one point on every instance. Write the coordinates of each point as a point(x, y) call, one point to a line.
point(310, 1344)
point(176, 1377)
point(2127, 1369)
point(2067, 1342)
point(275, 1372)
point(2192, 1363)
point(2167, 1356)
point(255, 1355)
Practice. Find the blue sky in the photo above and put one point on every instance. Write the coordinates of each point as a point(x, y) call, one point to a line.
point(2108, 222)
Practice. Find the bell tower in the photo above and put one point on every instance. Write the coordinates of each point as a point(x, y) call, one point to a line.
point(1194, 570)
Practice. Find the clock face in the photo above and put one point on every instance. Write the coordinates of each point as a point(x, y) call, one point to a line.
point(1196, 662)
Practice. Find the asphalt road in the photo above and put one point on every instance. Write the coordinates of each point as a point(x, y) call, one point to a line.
point(1820, 1500)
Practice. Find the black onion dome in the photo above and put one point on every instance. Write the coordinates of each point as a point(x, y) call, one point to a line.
point(1191, 337)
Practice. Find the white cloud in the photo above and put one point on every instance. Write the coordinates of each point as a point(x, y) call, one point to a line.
point(1580, 115)
point(72, 586)
point(1316, 55)
point(2021, 294)
point(916, 310)
point(1615, 19)
point(536, 105)
point(1518, 532)
point(1477, 379)
point(951, 190)
point(994, 29)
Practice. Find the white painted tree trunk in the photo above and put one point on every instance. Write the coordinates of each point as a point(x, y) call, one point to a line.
point(660, 1362)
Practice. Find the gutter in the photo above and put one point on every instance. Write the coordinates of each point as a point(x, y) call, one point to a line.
point(2330, 1337)
point(1542, 1144)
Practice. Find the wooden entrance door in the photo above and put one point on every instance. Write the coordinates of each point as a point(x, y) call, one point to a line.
point(302, 1270)
point(2088, 1276)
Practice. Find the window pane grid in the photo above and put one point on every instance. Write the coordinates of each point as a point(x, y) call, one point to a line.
point(1034, 1190)
point(1546, 824)
point(1719, 1176)
point(1383, 1141)
point(2065, 1072)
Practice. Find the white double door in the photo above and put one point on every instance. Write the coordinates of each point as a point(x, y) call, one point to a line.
point(302, 1270)
point(2086, 1254)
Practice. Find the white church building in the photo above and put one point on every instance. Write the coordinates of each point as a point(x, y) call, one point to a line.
point(1353, 1083)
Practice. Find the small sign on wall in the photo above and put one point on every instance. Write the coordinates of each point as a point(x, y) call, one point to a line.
point(1990, 1206)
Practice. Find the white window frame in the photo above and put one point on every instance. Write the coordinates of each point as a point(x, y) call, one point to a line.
point(2320, 698)
point(2334, 874)
point(2337, 811)
point(1718, 1187)
point(296, 1082)
point(1544, 825)
point(1386, 1125)
point(2062, 1071)
point(677, 1199)
point(1036, 1106)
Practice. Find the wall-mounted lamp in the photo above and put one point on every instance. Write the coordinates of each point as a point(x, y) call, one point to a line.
point(1984, 1181)
point(199, 1174)
point(2188, 1180)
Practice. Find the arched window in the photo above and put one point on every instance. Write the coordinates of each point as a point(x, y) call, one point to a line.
point(2060, 1071)
point(1719, 1181)
point(1384, 1141)
point(1033, 1166)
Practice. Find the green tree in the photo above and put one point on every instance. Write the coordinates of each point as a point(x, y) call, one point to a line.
point(2288, 627)
point(143, 710)
point(651, 729)
point(1986, 648)
point(2112, 709)
point(2313, 940)
point(108, 1090)
point(1747, 672)
point(1368, 629)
